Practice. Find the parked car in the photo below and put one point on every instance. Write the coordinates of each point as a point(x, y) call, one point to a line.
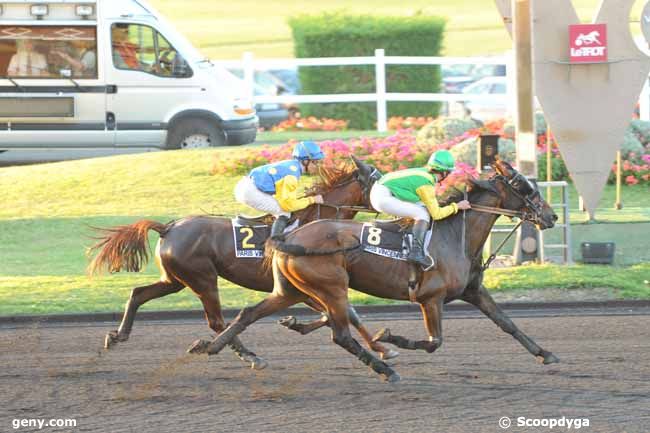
point(486, 110)
point(456, 77)
point(268, 84)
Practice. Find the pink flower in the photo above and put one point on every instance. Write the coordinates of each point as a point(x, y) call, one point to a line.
point(631, 180)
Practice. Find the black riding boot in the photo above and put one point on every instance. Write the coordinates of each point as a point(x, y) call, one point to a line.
point(277, 230)
point(416, 255)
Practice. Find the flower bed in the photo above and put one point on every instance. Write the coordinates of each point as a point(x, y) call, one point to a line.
point(310, 123)
point(402, 150)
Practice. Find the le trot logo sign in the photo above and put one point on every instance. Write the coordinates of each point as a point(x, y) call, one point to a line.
point(587, 43)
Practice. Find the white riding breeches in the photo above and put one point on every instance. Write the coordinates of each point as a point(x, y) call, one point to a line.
point(384, 201)
point(247, 193)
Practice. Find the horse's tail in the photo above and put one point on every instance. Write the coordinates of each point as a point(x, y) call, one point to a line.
point(123, 247)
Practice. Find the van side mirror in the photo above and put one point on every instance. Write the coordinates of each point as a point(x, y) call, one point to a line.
point(180, 68)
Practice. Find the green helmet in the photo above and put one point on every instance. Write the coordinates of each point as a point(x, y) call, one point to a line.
point(442, 160)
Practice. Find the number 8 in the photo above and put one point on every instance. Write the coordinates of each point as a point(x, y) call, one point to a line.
point(374, 236)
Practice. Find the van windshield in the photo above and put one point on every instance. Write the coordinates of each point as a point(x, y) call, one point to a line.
point(48, 52)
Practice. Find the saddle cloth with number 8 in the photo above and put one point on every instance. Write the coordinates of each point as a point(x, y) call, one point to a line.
point(385, 241)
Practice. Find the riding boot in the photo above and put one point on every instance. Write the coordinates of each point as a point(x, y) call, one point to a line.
point(277, 230)
point(416, 255)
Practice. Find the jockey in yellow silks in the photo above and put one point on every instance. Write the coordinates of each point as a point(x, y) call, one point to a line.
point(273, 188)
point(411, 193)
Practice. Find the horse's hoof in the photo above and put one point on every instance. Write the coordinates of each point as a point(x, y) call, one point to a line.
point(259, 363)
point(198, 347)
point(110, 340)
point(389, 354)
point(382, 335)
point(549, 358)
point(288, 321)
point(393, 378)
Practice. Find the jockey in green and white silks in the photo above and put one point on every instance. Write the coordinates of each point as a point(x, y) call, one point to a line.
point(273, 188)
point(411, 193)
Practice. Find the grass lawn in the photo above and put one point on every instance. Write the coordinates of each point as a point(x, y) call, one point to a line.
point(223, 30)
point(49, 209)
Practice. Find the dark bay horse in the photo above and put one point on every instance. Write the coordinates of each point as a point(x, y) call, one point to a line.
point(324, 258)
point(193, 251)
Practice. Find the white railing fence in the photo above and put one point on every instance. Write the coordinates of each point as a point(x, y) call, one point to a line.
point(381, 97)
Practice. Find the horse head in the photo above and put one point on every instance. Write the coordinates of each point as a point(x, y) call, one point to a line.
point(520, 194)
point(342, 186)
point(366, 175)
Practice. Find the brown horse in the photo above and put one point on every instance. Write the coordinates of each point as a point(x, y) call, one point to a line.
point(324, 258)
point(192, 252)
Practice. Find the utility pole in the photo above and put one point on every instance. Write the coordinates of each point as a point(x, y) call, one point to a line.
point(525, 118)
point(527, 241)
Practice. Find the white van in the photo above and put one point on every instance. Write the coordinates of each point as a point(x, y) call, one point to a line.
point(111, 73)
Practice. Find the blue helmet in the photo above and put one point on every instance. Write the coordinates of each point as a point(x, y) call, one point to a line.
point(307, 150)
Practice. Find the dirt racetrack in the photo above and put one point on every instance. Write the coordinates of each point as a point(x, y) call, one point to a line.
point(478, 376)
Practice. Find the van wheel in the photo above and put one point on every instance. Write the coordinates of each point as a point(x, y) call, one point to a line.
point(195, 134)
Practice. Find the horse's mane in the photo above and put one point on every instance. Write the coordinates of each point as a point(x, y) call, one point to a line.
point(454, 187)
point(330, 177)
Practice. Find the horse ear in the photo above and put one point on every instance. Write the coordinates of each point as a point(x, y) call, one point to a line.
point(362, 166)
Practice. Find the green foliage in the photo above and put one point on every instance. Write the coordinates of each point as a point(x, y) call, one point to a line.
point(641, 129)
point(631, 144)
point(442, 130)
point(558, 168)
point(340, 35)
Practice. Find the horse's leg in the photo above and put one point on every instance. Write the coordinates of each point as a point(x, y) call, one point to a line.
point(283, 296)
point(139, 296)
point(214, 316)
point(247, 316)
point(484, 302)
point(432, 314)
point(337, 308)
point(305, 328)
point(384, 352)
point(202, 279)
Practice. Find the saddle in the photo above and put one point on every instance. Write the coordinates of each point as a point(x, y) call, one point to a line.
point(245, 220)
point(397, 225)
point(250, 234)
point(393, 239)
point(389, 238)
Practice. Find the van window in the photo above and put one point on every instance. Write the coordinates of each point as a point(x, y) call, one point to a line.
point(138, 47)
point(48, 52)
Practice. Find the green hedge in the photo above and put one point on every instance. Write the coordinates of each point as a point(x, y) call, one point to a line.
point(339, 35)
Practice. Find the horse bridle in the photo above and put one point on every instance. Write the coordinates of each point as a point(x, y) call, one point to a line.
point(523, 189)
point(374, 176)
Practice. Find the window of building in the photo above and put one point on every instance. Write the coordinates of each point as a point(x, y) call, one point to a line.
point(48, 52)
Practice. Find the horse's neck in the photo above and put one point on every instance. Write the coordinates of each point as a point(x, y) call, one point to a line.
point(479, 224)
point(333, 197)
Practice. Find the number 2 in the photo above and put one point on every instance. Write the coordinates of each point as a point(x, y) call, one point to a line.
point(374, 236)
point(249, 234)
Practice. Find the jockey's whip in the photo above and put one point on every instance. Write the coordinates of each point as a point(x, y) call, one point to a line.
point(463, 234)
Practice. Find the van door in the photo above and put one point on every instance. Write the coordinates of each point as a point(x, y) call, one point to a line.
point(152, 81)
point(52, 93)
